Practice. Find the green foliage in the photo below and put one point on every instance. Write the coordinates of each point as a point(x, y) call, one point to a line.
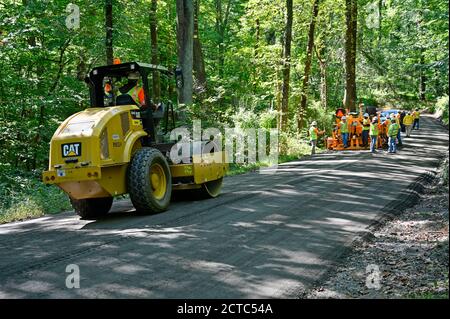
point(296, 145)
point(325, 118)
point(429, 295)
point(268, 119)
point(42, 63)
point(23, 195)
point(25, 209)
point(237, 169)
point(441, 107)
point(412, 40)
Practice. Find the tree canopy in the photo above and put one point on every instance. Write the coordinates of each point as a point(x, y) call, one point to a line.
point(239, 59)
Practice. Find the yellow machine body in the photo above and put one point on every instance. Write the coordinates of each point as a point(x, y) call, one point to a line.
point(91, 150)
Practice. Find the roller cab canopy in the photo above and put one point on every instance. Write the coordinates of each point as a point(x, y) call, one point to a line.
point(115, 76)
point(111, 86)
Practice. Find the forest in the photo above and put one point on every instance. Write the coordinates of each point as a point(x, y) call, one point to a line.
point(245, 63)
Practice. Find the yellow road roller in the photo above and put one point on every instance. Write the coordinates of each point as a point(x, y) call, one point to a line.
point(113, 147)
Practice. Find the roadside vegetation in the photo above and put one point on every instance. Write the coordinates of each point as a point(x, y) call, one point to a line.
point(440, 109)
point(23, 196)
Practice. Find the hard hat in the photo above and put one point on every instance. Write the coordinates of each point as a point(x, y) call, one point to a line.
point(392, 115)
point(314, 123)
point(383, 119)
point(343, 118)
point(374, 119)
point(133, 76)
point(117, 61)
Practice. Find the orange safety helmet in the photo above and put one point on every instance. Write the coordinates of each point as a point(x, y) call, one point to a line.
point(108, 87)
point(339, 113)
point(117, 61)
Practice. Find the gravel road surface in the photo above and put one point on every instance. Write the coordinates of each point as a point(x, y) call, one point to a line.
point(266, 236)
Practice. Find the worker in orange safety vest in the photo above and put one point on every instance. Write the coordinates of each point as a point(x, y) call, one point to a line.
point(134, 90)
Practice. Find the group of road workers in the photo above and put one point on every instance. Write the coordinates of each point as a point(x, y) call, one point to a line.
point(373, 131)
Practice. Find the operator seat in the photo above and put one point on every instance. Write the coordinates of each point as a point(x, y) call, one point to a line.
point(158, 114)
point(125, 99)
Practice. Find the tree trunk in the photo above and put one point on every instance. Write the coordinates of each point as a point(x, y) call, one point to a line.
point(254, 72)
point(109, 31)
point(380, 17)
point(42, 111)
point(221, 29)
point(171, 43)
point(257, 36)
point(350, 55)
point(185, 32)
point(286, 66)
point(423, 78)
point(278, 99)
point(438, 87)
point(81, 66)
point(156, 82)
point(199, 62)
point(323, 78)
point(309, 53)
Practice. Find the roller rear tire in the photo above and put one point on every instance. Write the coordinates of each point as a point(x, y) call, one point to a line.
point(149, 181)
point(92, 207)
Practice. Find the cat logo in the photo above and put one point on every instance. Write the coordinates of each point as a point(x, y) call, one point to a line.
point(70, 150)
